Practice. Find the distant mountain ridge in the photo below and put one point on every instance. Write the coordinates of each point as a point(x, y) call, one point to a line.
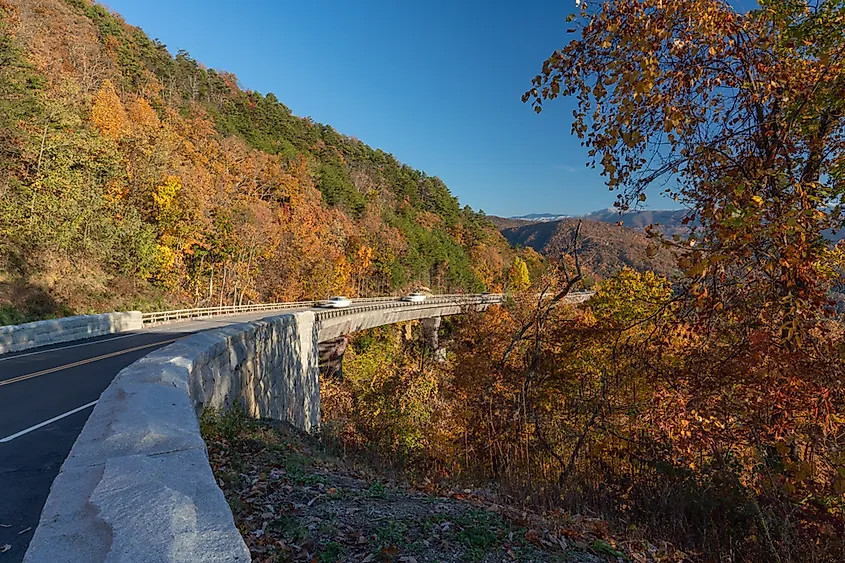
point(610, 240)
point(669, 221)
point(604, 247)
point(542, 217)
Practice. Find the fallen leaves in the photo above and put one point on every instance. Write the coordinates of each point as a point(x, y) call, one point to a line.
point(291, 508)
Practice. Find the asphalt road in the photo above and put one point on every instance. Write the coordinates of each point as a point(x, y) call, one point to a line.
point(46, 395)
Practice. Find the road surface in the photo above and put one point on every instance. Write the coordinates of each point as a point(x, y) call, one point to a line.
point(46, 396)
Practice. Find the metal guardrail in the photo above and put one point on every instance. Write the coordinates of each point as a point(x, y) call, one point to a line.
point(201, 312)
point(358, 306)
point(204, 312)
point(429, 303)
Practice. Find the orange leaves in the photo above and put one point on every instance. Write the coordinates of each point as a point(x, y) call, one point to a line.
point(115, 192)
point(9, 13)
point(112, 44)
point(143, 115)
point(714, 102)
point(107, 112)
point(428, 220)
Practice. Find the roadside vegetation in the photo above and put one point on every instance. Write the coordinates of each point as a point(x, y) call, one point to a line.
point(296, 500)
point(707, 411)
point(623, 408)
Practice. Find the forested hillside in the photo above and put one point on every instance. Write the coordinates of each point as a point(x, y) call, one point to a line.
point(604, 248)
point(667, 221)
point(131, 177)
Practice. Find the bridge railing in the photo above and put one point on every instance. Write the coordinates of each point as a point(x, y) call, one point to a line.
point(358, 305)
point(202, 312)
point(430, 302)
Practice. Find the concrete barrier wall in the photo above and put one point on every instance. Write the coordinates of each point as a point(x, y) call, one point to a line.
point(137, 485)
point(41, 333)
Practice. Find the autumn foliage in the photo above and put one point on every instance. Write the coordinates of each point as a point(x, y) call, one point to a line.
point(708, 410)
point(725, 447)
point(741, 116)
point(133, 178)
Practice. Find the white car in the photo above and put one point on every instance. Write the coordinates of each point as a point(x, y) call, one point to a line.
point(414, 297)
point(336, 302)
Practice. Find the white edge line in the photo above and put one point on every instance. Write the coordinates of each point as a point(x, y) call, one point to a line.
point(46, 422)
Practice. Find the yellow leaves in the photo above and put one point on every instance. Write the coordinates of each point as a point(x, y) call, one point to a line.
point(165, 264)
point(757, 200)
point(166, 205)
point(107, 112)
point(341, 274)
point(630, 297)
point(165, 195)
point(365, 257)
point(608, 164)
point(518, 277)
point(631, 138)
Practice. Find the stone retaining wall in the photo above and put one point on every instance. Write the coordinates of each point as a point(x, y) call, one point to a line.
point(137, 485)
point(41, 333)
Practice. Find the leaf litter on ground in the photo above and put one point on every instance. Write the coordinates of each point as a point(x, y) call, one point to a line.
point(294, 502)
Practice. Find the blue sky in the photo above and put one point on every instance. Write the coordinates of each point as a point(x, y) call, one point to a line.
point(437, 83)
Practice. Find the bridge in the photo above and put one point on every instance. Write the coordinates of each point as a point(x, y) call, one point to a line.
point(149, 411)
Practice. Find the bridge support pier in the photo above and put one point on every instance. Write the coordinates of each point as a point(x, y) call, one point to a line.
point(331, 356)
point(430, 327)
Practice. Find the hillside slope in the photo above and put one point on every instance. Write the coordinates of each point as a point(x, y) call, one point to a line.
point(133, 178)
point(503, 223)
point(338, 509)
point(667, 221)
point(604, 247)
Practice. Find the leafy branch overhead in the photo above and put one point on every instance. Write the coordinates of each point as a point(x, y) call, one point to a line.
point(740, 116)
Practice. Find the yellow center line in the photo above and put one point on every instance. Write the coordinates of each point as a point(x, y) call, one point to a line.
point(87, 361)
